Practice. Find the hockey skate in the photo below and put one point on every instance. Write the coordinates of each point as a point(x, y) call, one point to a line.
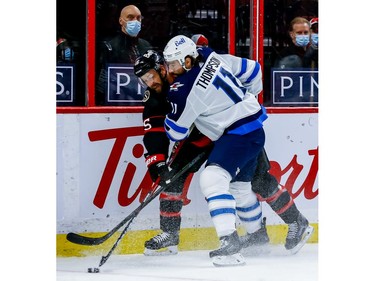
point(298, 233)
point(229, 252)
point(257, 243)
point(162, 244)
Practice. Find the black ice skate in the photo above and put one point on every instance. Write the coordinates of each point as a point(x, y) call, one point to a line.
point(229, 252)
point(298, 233)
point(162, 244)
point(256, 243)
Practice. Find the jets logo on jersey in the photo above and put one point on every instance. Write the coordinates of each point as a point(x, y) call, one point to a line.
point(175, 86)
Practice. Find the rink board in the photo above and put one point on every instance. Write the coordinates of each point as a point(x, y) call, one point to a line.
point(101, 178)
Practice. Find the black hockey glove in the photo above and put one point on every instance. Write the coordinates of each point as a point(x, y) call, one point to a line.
point(157, 170)
point(163, 171)
point(157, 167)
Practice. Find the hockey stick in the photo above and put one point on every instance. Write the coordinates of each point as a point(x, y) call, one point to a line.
point(84, 240)
point(106, 257)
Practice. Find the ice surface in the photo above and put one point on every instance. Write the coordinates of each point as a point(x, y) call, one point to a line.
point(194, 265)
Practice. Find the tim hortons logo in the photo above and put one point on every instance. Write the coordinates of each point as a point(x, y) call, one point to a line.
point(121, 135)
point(295, 170)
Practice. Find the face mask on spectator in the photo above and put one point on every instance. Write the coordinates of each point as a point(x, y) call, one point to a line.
point(133, 28)
point(314, 38)
point(302, 40)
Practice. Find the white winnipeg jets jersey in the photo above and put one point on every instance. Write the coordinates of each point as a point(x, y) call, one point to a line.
point(218, 96)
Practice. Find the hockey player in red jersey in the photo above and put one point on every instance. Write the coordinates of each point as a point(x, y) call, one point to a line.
point(151, 70)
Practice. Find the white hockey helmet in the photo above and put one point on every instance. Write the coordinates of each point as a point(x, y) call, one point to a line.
point(178, 48)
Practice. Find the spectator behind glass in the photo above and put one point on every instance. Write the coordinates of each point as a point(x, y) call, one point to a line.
point(125, 47)
point(311, 56)
point(314, 29)
point(64, 51)
point(69, 52)
point(293, 55)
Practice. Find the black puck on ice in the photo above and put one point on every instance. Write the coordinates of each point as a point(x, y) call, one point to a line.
point(93, 270)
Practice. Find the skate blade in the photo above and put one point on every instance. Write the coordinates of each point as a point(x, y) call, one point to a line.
point(171, 250)
point(306, 235)
point(259, 250)
point(232, 260)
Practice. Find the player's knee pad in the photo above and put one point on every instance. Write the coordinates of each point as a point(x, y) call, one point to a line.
point(214, 180)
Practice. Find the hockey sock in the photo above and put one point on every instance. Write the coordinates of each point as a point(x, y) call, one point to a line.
point(248, 208)
point(170, 211)
point(283, 204)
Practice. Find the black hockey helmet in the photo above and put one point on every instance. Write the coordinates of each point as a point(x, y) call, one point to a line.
point(149, 60)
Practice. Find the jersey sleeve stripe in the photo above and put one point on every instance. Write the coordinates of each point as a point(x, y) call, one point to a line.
point(254, 74)
point(175, 132)
point(243, 67)
point(175, 127)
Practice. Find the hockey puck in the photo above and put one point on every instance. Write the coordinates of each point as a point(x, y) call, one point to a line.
point(93, 270)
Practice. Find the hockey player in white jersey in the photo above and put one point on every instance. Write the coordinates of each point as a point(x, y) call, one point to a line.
point(270, 191)
point(224, 108)
point(217, 95)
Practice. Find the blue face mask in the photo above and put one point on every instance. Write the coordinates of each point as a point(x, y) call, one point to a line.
point(314, 38)
point(133, 28)
point(302, 40)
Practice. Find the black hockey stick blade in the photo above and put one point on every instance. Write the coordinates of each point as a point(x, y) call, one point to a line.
point(84, 240)
point(92, 241)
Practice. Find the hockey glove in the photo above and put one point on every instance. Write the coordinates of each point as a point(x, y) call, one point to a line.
point(163, 171)
point(157, 167)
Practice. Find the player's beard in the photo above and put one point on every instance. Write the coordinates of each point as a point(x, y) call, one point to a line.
point(157, 87)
